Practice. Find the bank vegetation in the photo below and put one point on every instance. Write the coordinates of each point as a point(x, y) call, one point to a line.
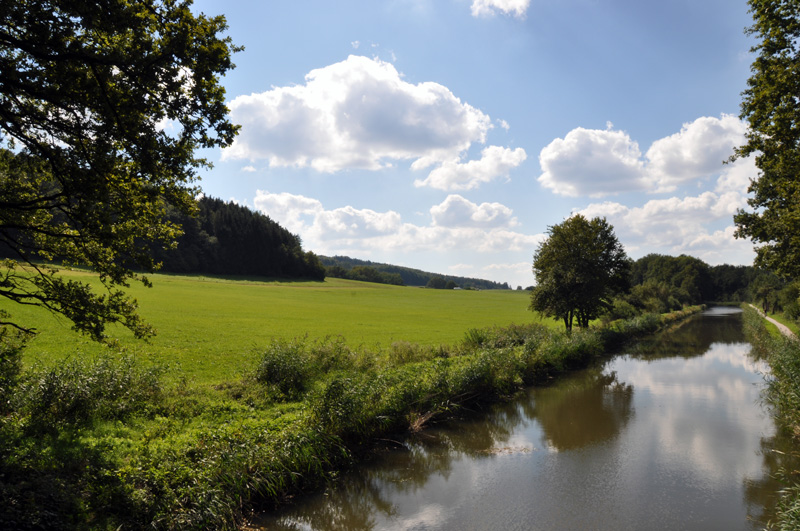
point(782, 353)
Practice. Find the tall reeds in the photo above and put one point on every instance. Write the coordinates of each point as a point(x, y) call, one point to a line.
point(783, 394)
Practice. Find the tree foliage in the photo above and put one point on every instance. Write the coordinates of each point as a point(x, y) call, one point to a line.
point(437, 283)
point(689, 279)
point(578, 270)
point(766, 289)
point(364, 273)
point(102, 107)
point(224, 238)
point(340, 267)
point(731, 283)
point(662, 283)
point(770, 105)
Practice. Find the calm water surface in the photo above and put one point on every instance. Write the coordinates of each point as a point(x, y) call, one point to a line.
point(671, 434)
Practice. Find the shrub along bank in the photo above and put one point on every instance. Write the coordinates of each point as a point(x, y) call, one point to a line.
point(783, 394)
point(104, 444)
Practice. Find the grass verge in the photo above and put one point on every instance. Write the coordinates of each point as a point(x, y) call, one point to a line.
point(791, 324)
point(107, 444)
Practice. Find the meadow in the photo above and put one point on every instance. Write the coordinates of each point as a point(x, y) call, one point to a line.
point(208, 328)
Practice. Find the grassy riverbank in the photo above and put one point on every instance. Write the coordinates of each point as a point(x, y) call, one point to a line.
point(117, 441)
point(783, 394)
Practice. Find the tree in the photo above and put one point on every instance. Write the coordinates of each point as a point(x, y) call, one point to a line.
point(789, 300)
point(731, 282)
point(102, 107)
point(770, 106)
point(686, 278)
point(436, 283)
point(365, 274)
point(766, 290)
point(578, 270)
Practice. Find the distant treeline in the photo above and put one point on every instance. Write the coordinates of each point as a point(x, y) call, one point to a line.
point(693, 281)
point(661, 283)
point(355, 269)
point(229, 239)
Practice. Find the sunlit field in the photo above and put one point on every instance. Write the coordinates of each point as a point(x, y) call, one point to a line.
point(208, 328)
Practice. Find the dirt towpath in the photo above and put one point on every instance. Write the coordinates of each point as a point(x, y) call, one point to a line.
point(783, 328)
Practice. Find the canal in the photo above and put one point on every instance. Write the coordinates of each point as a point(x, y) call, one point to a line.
point(670, 433)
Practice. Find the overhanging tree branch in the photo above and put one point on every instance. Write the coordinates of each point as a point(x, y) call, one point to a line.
point(82, 88)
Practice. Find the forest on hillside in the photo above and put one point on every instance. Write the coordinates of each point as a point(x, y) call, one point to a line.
point(229, 239)
point(355, 269)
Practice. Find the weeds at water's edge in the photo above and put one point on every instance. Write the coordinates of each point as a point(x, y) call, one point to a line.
point(783, 394)
point(122, 451)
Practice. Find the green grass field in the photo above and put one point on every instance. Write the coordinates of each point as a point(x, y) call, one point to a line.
point(210, 328)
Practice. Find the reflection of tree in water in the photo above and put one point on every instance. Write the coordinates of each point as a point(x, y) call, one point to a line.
point(586, 409)
point(351, 506)
point(477, 434)
point(691, 338)
point(762, 494)
point(356, 501)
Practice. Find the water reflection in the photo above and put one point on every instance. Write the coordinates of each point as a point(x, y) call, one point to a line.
point(669, 435)
point(761, 493)
point(693, 337)
point(591, 408)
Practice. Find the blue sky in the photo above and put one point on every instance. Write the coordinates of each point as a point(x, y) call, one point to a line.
point(447, 135)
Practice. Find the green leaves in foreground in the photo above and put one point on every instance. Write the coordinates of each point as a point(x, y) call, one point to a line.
point(104, 106)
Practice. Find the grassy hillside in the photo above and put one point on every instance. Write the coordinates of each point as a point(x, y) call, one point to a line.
point(209, 327)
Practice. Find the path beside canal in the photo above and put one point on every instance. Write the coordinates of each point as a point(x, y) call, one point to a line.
point(783, 328)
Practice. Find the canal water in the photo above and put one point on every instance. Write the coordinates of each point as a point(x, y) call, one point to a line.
point(671, 433)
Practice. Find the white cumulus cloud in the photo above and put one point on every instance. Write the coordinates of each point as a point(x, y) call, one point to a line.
point(455, 211)
point(696, 152)
point(455, 224)
point(495, 162)
point(358, 113)
point(591, 162)
point(679, 225)
point(350, 222)
point(736, 176)
point(598, 163)
point(488, 8)
point(293, 212)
